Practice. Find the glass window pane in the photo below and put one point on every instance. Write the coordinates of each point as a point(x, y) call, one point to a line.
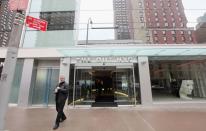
point(16, 81)
point(52, 5)
point(178, 79)
point(49, 39)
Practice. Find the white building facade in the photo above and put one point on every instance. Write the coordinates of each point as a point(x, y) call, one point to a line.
point(103, 73)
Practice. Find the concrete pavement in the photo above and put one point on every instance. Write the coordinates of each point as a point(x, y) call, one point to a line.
point(108, 119)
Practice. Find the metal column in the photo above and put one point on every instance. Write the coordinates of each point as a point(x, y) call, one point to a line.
point(135, 95)
point(74, 89)
point(145, 83)
point(9, 69)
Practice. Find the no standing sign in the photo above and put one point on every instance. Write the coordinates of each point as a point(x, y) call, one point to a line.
point(35, 23)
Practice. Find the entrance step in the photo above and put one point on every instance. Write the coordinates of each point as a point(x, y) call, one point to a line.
point(105, 98)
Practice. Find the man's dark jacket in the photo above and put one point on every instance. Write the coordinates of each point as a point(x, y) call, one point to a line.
point(62, 93)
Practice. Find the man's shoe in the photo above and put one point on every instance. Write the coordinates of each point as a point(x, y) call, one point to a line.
point(61, 120)
point(55, 126)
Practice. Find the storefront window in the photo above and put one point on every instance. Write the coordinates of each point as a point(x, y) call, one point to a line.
point(179, 78)
point(45, 79)
point(16, 81)
point(14, 94)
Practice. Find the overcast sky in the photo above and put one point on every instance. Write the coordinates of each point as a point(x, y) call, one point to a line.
point(100, 11)
point(194, 9)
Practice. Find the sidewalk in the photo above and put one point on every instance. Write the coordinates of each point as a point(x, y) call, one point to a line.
point(108, 119)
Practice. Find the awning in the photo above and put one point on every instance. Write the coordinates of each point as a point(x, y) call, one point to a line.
point(139, 50)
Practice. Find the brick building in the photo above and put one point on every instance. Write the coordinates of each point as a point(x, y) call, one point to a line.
point(6, 19)
point(167, 22)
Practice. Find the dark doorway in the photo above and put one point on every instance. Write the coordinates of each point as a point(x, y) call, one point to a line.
point(104, 87)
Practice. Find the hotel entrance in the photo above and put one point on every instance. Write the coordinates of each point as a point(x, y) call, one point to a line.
point(104, 86)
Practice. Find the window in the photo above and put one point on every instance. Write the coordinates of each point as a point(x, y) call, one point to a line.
point(147, 33)
point(190, 38)
point(148, 39)
point(61, 20)
point(165, 19)
point(163, 32)
point(155, 13)
point(165, 38)
point(142, 19)
point(173, 32)
point(174, 39)
point(189, 32)
point(156, 39)
point(156, 19)
point(176, 4)
point(183, 38)
point(166, 24)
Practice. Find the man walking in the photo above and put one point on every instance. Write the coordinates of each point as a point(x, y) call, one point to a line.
point(61, 92)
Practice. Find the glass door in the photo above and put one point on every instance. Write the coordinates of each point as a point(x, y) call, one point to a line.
point(84, 93)
point(98, 85)
point(123, 82)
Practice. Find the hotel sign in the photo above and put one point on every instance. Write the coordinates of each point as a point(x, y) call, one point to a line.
point(104, 59)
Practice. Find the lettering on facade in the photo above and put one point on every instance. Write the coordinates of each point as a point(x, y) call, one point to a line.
point(104, 59)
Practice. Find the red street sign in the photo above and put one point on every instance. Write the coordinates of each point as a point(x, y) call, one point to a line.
point(35, 23)
point(18, 5)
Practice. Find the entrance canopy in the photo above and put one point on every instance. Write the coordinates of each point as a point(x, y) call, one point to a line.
point(135, 50)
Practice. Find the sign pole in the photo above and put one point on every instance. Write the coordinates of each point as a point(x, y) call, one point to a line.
point(9, 66)
point(12, 52)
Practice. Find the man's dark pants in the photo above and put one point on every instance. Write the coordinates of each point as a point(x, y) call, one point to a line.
point(59, 109)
